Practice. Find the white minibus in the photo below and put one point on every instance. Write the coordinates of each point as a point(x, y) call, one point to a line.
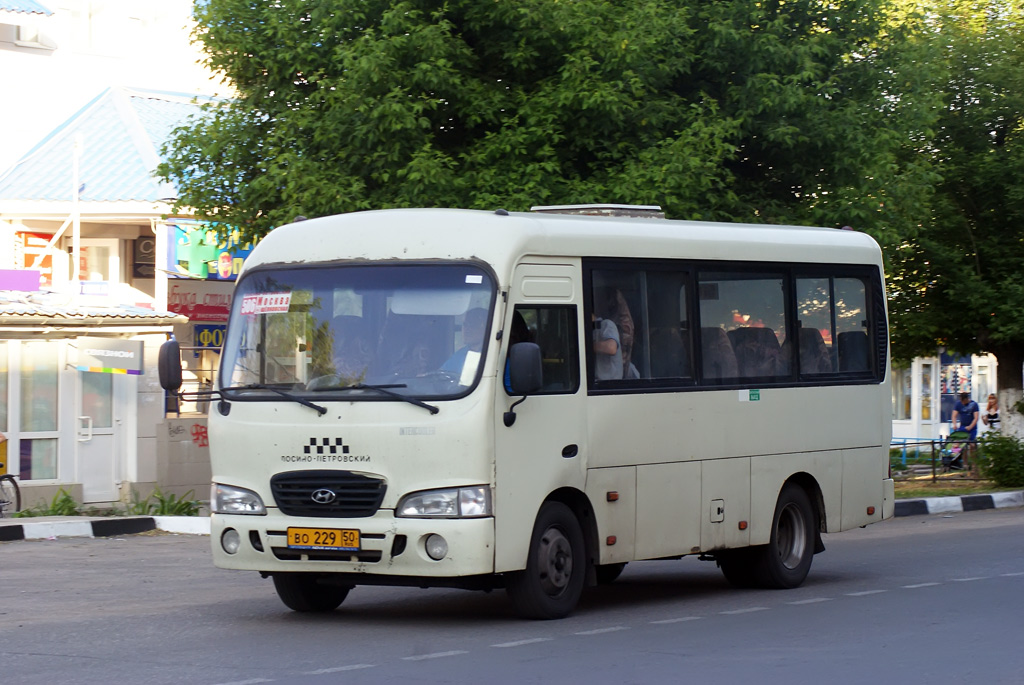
point(529, 401)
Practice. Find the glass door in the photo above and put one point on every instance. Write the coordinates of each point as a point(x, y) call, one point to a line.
point(97, 456)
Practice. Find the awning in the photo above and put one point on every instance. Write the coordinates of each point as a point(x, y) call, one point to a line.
point(43, 314)
point(24, 7)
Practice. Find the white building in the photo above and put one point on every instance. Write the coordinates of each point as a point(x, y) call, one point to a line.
point(924, 393)
point(82, 214)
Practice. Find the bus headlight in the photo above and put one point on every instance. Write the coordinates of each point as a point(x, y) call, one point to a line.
point(473, 502)
point(225, 499)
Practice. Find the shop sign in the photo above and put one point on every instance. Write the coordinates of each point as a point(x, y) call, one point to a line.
point(203, 253)
point(209, 335)
point(200, 300)
point(110, 355)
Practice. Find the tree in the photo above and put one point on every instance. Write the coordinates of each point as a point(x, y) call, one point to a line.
point(959, 281)
point(728, 110)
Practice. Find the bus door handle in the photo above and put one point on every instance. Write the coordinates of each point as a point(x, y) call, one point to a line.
point(88, 434)
point(570, 451)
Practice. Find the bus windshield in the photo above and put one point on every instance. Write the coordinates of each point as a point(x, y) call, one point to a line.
point(354, 331)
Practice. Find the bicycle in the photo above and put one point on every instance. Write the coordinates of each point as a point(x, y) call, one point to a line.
point(10, 493)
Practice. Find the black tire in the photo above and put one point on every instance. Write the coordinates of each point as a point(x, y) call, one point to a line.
point(304, 592)
point(738, 567)
point(552, 582)
point(608, 573)
point(784, 562)
point(10, 495)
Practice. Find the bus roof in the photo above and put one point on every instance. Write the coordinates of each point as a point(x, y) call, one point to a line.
point(502, 238)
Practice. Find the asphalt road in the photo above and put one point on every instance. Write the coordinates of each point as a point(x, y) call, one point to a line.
point(918, 599)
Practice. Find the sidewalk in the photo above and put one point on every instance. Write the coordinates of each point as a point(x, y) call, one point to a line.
point(51, 527)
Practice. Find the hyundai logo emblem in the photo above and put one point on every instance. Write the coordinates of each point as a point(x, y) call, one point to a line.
point(323, 496)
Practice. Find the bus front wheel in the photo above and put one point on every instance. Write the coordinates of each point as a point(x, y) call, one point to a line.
point(302, 592)
point(785, 561)
point(552, 582)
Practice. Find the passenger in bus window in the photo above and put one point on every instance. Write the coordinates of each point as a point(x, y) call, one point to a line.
point(607, 351)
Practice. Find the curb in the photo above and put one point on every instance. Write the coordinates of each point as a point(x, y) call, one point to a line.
point(84, 527)
point(954, 505)
point(102, 527)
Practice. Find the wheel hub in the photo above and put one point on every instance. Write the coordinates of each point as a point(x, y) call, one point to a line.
point(556, 561)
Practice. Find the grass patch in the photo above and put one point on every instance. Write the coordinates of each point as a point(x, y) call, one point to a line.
point(945, 485)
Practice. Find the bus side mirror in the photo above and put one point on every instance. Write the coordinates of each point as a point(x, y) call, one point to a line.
point(525, 371)
point(169, 365)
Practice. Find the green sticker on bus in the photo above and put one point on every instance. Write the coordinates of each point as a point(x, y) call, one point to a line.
point(755, 395)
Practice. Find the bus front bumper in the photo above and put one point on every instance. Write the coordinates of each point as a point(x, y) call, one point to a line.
point(388, 546)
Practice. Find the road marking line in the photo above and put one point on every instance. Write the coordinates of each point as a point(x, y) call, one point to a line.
point(749, 610)
point(435, 655)
point(914, 587)
point(519, 643)
point(1011, 575)
point(964, 580)
point(253, 681)
point(811, 601)
point(338, 669)
point(598, 631)
point(679, 620)
point(864, 593)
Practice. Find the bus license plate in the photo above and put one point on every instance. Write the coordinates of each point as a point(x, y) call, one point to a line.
point(345, 540)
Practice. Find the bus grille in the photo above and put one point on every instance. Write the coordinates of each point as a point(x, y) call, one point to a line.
point(338, 494)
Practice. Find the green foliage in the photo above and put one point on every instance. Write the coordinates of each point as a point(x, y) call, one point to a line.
point(159, 503)
point(1001, 458)
point(62, 504)
point(715, 110)
point(167, 504)
point(959, 280)
point(156, 504)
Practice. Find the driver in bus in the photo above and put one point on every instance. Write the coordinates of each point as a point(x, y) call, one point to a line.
point(473, 326)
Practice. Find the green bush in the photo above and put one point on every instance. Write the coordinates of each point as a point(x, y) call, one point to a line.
point(170, 505)
point(1001, 459)
point(163, 504)
point(62, 504)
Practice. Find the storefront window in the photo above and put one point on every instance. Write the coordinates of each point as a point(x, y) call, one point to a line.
point(902, 396)
point(38, 386)
point(927, 369)
point(3, 386)
point(38, 459)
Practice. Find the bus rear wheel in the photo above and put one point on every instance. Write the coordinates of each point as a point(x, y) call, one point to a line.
point(303, 592)
point(785, 561)
point(552, 582)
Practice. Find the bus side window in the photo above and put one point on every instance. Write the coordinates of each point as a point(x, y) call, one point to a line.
point(553, 328)
point(833, 325)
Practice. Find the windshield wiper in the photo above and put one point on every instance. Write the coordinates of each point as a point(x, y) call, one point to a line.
point(287, 395)
point(383, 389)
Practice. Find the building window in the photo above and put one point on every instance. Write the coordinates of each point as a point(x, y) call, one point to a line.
point(3, 386)
point(39, 373)
point(38, 459)
point(38, 386)
point(902, 394)
point(927, 370)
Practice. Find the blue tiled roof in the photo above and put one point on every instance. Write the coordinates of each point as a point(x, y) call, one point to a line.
point(24, 6)
point(121, 132)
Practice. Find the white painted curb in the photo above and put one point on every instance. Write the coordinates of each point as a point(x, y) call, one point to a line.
point(192, 525)
point(44, 530)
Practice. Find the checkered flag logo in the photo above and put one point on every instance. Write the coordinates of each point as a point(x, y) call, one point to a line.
point(325, 446)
